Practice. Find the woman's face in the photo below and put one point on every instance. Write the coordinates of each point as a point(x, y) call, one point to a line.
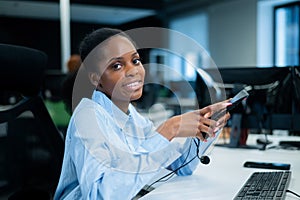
point(122, 73)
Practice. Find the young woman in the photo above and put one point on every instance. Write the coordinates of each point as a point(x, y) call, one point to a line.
point(111, 151)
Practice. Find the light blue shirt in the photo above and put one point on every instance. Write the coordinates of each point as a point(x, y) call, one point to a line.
point(112, 155)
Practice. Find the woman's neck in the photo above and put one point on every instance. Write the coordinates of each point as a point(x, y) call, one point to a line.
point(122, 105)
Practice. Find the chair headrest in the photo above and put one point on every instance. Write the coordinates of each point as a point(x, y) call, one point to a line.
point(21, 69)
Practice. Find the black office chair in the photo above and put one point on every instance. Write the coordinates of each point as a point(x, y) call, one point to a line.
point(32, 147)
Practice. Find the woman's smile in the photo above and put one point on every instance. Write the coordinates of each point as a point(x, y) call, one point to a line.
point(133, 85)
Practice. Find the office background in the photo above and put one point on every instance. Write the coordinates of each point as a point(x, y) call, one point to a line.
point(239, 35)
point(235, 32)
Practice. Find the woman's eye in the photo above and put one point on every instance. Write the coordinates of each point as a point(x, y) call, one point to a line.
point(137, 61)
point(117, 66)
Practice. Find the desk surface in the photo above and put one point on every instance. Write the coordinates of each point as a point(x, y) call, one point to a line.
point(225, 174)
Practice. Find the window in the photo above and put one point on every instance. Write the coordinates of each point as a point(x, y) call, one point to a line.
point(196, 27)
point(181, 56)
point(286, 40)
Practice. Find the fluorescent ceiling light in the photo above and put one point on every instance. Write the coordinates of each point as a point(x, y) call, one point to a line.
point(79, 12)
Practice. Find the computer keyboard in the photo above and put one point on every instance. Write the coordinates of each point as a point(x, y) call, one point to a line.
point(265, 185)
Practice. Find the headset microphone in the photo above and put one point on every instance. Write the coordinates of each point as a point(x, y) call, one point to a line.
point(204, 160)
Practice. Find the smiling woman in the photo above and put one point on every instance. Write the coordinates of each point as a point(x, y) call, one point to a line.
point(122, 73)
point(111, 151)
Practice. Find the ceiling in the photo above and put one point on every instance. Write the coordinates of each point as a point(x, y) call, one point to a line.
point(78, 12)
point(113, 12)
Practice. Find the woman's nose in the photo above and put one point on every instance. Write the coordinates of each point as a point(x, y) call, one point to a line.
point(132, 70)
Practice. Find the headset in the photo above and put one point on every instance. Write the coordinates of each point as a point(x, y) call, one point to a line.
point(203, 159)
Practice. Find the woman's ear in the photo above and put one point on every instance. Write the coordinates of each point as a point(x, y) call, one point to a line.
point(95, 79)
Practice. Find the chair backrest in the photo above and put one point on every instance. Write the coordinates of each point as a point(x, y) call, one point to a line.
point(22, 70)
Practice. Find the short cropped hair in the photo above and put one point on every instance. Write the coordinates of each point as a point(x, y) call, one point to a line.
point(97, 37)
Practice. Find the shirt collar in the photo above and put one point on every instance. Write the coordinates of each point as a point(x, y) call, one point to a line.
point(117, 114)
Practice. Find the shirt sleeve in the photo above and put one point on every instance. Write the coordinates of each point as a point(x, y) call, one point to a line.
point(104, 167)
point(188, 158)
point(106, 180)
point(188, 151)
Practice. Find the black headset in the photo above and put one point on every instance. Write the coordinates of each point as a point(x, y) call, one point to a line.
point(203, 159)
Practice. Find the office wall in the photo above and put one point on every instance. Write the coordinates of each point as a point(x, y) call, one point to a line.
point(232, 33)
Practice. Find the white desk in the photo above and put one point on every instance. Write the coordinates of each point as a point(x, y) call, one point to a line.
point(225, 174)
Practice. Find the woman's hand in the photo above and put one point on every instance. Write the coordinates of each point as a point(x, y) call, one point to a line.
point(192, 124)
point(217, 112)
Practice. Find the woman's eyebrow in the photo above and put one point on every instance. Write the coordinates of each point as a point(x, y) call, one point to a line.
point(115, 58)
point(134, 54)
point(121, 58)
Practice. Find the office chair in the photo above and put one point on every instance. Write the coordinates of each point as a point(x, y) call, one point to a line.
point(33, 145)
